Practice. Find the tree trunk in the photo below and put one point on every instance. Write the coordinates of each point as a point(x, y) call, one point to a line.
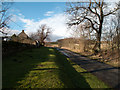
point(99, 41)
point(97, 47)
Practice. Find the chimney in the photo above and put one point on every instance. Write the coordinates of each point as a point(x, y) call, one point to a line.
point(22, 30)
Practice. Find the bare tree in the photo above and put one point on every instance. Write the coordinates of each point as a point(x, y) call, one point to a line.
point(118, 31)
point(93, 12)
point(82, 31)
point(42, 34)
point(4, 16)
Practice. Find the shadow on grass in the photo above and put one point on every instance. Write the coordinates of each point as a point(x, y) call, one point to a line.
point(47, 69)
point(15, 68)
point(67, 71)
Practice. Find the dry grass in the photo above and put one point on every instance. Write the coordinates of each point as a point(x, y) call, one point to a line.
point(107, 55)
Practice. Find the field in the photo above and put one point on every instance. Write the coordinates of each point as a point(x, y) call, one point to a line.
point(45, 68)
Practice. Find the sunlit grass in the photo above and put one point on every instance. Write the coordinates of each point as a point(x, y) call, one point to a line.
point(45, 75)
point(91, 79)
point(51, 55)
point(45, 68)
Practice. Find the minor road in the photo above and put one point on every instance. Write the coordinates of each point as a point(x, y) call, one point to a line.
point(104, 72)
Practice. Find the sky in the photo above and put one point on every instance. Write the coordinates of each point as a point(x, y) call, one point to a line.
point(28, 16)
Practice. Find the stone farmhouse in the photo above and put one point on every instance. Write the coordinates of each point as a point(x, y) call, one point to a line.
point(22, 38)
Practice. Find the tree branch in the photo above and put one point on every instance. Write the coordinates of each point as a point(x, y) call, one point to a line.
point(111, 12)
point(91, 24)
point(93, 11)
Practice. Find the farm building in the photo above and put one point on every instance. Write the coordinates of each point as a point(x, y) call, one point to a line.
point(22, 38)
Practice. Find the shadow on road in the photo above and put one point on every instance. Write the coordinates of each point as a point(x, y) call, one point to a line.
point(76, 79)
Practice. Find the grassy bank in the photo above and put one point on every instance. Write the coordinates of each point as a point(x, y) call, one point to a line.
point(45, 68)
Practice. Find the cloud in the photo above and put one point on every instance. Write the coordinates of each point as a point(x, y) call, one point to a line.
point(49, 13)
point(10, 32)
point(57, 22)
point(54, 37)
point(27, 21)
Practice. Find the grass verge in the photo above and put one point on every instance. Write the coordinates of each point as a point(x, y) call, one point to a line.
point(45, 68)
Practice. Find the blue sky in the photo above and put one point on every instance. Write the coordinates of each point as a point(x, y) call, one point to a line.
point(35, 10)
point(30, 15)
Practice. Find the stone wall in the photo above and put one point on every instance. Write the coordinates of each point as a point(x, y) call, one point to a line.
point(10, 47)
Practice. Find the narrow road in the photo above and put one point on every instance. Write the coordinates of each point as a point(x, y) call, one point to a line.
point(104, 72)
